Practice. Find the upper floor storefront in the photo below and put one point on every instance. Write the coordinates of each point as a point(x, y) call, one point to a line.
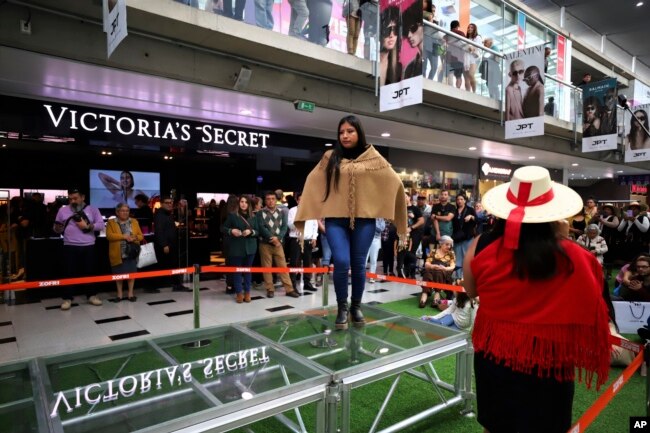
point(256, 48)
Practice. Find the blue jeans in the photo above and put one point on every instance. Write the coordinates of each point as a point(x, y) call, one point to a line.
point(460, 249)
point(327, 251)
point(264, 14)
point(242, 261)
point(445, 321)
point(349, 251)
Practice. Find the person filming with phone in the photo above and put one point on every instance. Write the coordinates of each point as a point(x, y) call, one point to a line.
point(78, 223)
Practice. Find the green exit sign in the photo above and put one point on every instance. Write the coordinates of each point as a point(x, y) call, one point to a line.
point(304, 106)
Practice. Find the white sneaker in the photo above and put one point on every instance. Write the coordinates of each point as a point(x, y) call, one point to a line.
point(66, 305)
point(94, 300)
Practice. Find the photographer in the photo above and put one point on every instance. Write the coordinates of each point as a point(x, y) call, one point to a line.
point(78, 223)
point(593, 242)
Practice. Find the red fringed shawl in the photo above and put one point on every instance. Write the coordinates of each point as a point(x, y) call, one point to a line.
point(553, 326)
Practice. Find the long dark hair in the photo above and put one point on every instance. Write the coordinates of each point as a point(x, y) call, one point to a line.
point(249, 211)
point(333, 169)
point(540, 255)
point(633, 126)
point(391, 15)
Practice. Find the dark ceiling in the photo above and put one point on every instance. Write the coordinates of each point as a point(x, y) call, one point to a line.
point(624, 24)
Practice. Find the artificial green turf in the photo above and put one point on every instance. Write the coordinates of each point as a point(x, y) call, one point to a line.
point(413, 396)
point(629, 401)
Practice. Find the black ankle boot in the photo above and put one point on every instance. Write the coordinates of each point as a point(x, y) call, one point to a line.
point(342, 316)
point(355, 312)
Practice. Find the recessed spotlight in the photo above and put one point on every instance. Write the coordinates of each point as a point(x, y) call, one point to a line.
point(245, 112)
point(639, 4)
point(328, 145)
point(103, 152)
point(575, 164)
point(4, 145)
point(166, 157)
point(385, 134)
point(531, 157)
point(109, 153)
point(472, 148)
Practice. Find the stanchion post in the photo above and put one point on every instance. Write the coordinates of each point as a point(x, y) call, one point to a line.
point(197, 310)
point(195, 293)
point(325, 289)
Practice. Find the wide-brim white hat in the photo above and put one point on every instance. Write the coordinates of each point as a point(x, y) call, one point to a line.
point(546, 200)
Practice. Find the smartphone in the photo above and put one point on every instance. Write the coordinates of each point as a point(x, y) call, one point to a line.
point(629, 213)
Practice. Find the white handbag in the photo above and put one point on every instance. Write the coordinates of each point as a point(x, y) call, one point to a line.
point(147, 256)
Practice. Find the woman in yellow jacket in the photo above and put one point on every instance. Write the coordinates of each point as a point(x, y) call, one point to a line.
point(123, 233)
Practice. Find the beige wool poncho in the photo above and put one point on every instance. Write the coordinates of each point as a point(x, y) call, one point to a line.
point(368, 188)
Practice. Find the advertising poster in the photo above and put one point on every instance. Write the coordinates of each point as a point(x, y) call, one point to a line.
point(114, 14)
point(111, 187)
point(637, 141)
point(524, 70)
point(400, 56)
point(599, 116)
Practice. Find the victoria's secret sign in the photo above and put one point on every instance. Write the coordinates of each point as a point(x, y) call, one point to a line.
point(46, 121)
point(96, 121)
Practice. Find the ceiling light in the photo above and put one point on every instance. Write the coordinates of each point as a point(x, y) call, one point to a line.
point(246, 395)
point(619, 171)
point(4, 145)
point(109, 153)
point(472, 148)
point(575, 164)
point(639, 4)
point(245, 112)
point(385, 134)
point(103, 152)
point(166, 157)
point(328, 145)
point(531, 157)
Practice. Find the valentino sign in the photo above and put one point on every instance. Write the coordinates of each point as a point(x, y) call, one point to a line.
point(146, 128)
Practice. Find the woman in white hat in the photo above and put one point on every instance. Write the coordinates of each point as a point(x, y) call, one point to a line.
point(529, 337)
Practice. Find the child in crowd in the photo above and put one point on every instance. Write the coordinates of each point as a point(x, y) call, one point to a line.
point(457, 314)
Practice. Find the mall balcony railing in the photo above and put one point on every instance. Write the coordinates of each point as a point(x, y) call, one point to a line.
point(452, 59)
point(448, 57)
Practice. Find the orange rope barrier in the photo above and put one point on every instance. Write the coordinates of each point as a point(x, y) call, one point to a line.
point(232, 269)
point(149, 274)
point(590, 414)
point(416, 282)
point(205, 269)
point(94, 279)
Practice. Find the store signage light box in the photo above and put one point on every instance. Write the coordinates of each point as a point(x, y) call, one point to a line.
point(169, 130)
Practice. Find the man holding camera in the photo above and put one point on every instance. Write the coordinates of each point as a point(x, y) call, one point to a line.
point(78, 223)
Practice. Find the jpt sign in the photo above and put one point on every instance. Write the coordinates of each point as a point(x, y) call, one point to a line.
point(65, 118)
